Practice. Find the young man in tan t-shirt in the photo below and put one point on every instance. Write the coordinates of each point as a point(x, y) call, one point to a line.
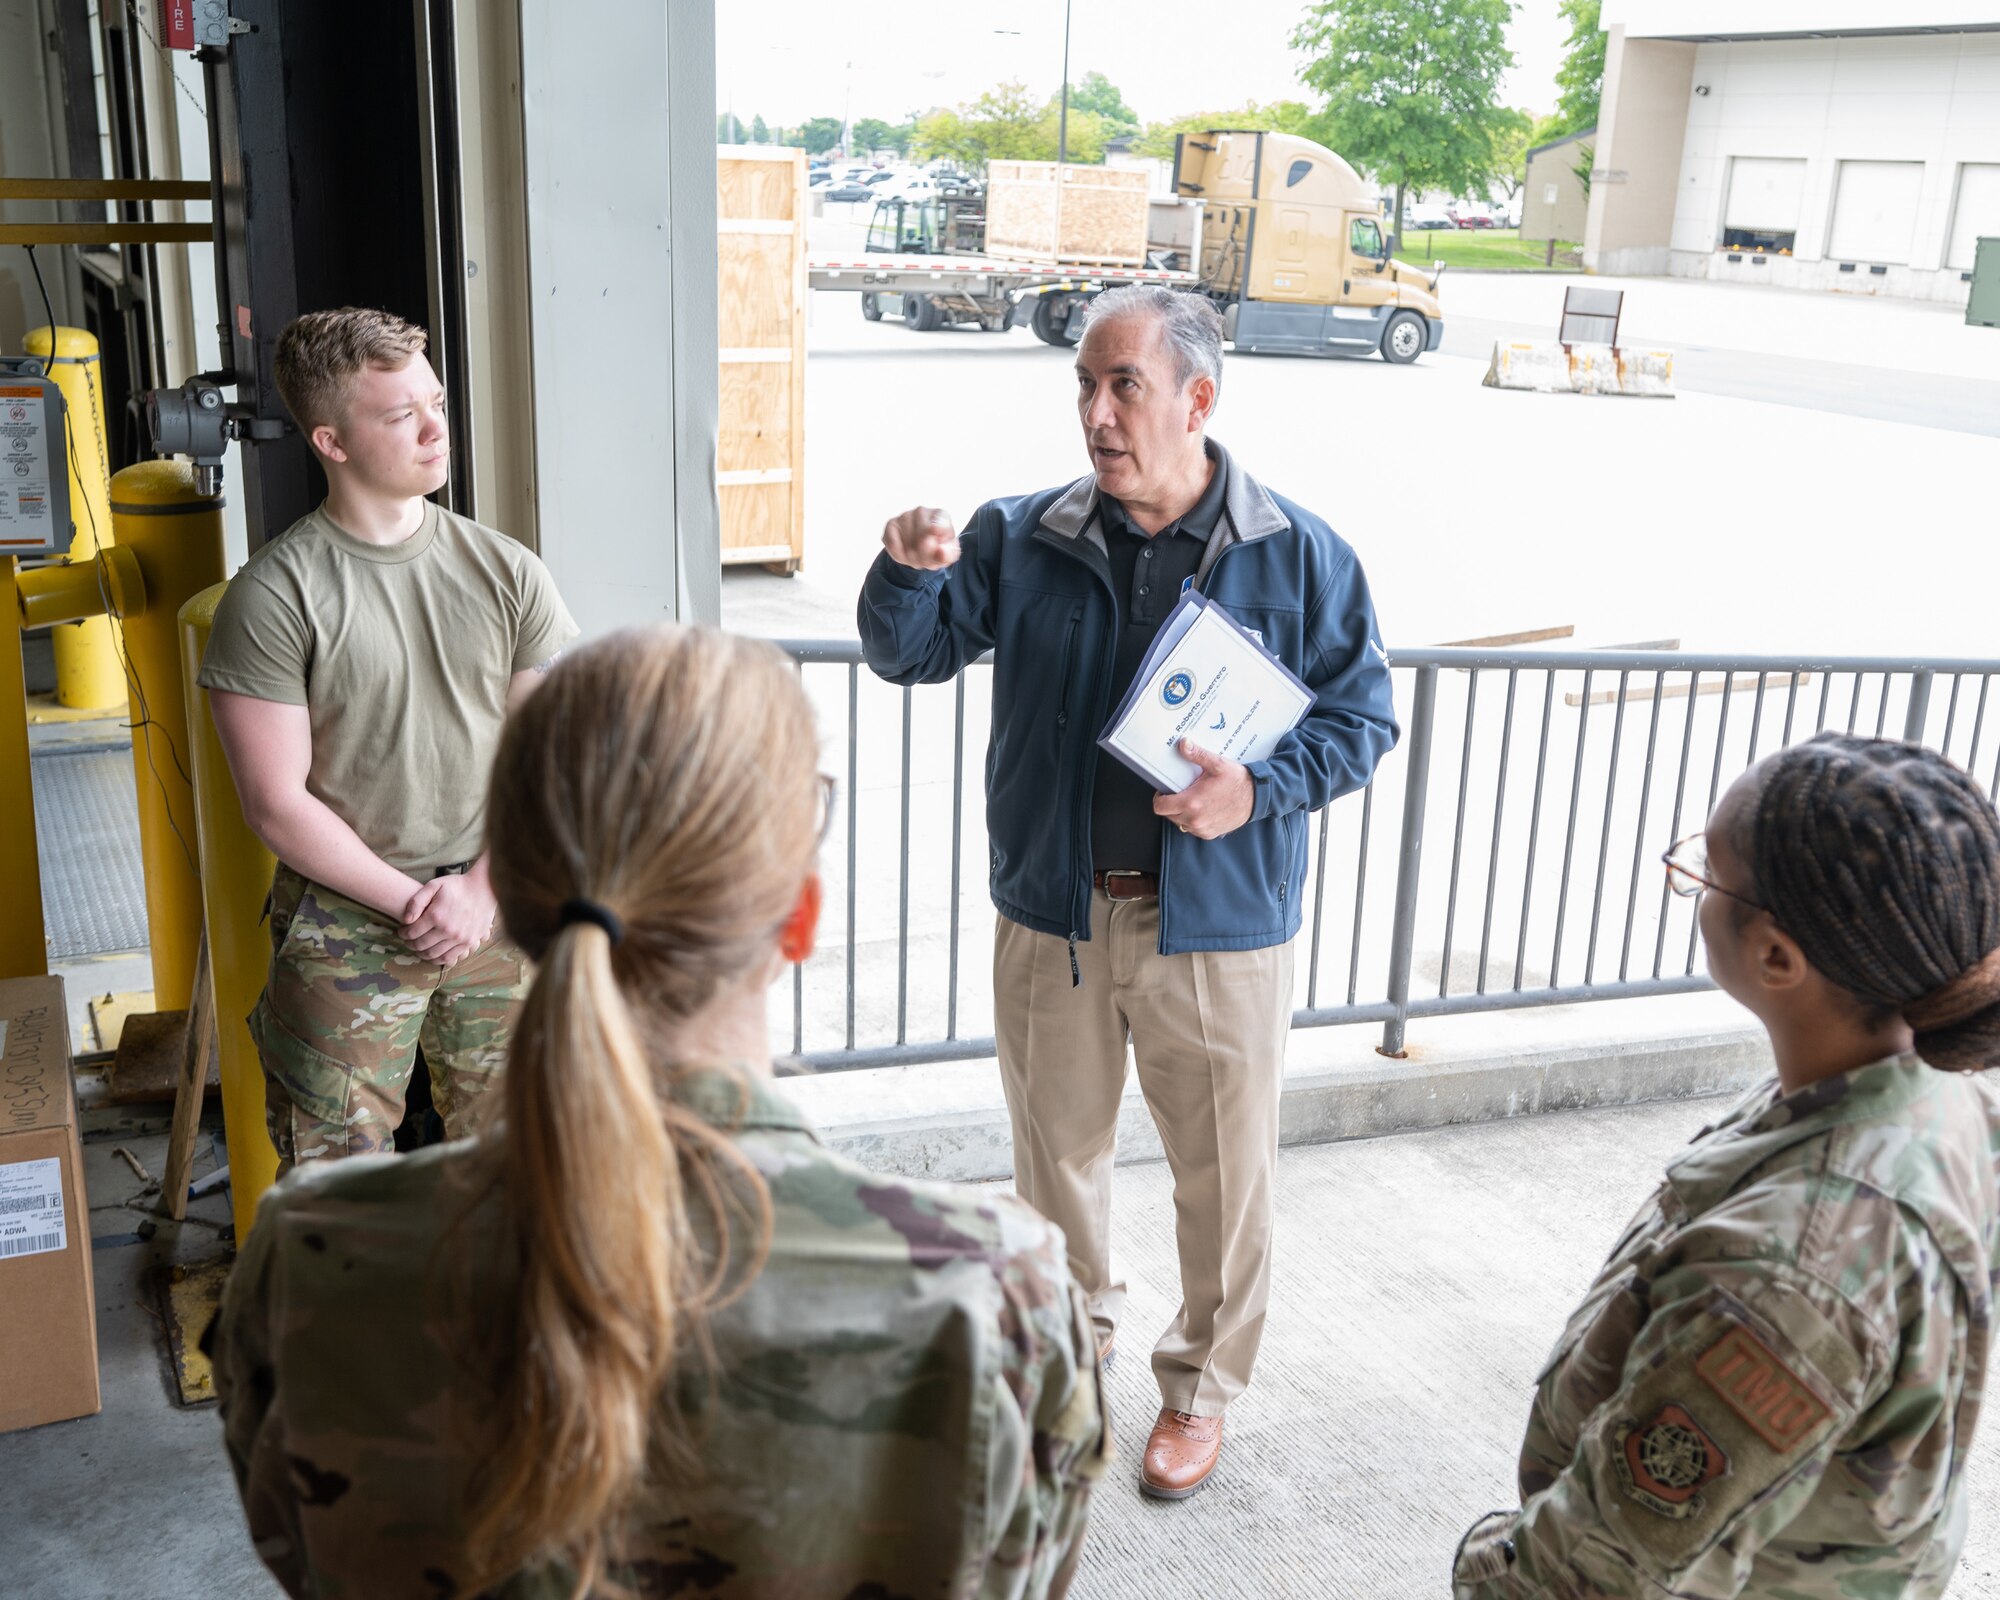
point(360, 669)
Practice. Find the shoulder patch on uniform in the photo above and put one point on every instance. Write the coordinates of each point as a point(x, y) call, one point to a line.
point(1664, 1464)
point(1761, 1389)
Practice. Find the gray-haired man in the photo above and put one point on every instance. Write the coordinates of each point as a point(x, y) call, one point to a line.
point(1162, 921)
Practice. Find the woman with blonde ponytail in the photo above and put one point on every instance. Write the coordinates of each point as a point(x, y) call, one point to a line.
point(646, 1335)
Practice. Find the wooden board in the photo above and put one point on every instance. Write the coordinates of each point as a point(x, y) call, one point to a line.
point(147, 1068)
point(1037, 211)
point(761, 294)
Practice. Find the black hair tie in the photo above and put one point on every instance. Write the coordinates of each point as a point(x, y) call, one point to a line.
point(590, 911)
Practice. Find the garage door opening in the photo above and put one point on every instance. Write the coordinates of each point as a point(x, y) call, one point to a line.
point(1975, 214)
point(1875, 211)
point(1762, 213)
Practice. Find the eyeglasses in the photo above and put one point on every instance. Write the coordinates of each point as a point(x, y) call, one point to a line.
point(1687, 871)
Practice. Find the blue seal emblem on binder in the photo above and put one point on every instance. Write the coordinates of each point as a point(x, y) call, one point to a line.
point(1177, 688)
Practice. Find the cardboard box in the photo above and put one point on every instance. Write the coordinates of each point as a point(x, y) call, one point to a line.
point(48, 1304)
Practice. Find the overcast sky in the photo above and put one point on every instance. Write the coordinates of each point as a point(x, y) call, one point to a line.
point(788, 60)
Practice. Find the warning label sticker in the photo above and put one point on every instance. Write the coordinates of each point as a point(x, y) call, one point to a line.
point(26, 516)
point(31, 1208)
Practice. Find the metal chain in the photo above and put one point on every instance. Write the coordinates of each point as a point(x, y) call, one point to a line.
point(132, 11)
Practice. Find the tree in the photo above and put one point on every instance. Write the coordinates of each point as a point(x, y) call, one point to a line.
point(1007, 123)
point(759, 134)
point(1409, 88)
point(1099, 95)
point(820, 134)
point(727, 129)
point(872, 133)
point(1580, 78)
point(1280, 116)
point(1513, 138)
point(1586, 163)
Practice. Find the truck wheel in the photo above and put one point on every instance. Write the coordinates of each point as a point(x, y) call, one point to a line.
point(1405, 338)
point(1054, 315)
point(920, 314)
point(871, 308)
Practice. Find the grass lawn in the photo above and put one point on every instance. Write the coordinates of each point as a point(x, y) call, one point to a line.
point(1484, 247)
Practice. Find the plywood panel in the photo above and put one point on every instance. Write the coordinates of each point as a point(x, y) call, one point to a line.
point(757, 517)
point(755, 189)
point(757, 419)
point(761, 287)
point(1042, 212)
point(754, 289)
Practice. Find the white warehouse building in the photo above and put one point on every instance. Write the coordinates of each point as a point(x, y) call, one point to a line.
point(1824, 144)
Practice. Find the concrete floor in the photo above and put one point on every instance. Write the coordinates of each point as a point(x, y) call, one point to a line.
point(1420, 1282)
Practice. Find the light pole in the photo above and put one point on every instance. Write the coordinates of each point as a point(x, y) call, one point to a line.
point(1062, 116)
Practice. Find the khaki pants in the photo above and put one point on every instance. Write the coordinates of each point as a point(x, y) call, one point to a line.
point(1208, 1033)
point(342, 1014)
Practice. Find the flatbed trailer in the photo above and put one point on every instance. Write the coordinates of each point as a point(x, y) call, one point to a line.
point(993, 291)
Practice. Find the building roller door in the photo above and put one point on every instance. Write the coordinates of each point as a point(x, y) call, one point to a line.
point(1875, 211)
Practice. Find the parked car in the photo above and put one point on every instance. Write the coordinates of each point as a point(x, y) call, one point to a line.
point(1473, 219)
point(815, 176)
point(913, 186)
point(848, 191)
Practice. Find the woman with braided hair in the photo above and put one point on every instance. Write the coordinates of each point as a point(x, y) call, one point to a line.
point(1771, 1390)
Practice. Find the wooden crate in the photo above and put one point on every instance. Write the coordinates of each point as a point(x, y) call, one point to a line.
point(1038, 211)
point(761, 293)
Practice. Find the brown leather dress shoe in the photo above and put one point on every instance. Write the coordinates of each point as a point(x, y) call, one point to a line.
point(1180, 1454)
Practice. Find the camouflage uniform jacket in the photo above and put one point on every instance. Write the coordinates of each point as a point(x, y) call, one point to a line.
point(906, 1399)
point(1771, 1388)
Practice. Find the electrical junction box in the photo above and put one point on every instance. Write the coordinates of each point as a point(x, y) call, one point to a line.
point(34, 462)
point(1983, 308)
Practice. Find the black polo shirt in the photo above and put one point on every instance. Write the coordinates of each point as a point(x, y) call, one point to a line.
point(1147, 576)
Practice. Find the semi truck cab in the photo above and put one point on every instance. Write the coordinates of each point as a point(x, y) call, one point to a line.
point(1294, 252)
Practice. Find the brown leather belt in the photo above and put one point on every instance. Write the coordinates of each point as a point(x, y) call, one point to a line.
point(1127, 885)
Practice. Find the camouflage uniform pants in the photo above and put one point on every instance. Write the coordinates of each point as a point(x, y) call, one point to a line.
point(340, 1019)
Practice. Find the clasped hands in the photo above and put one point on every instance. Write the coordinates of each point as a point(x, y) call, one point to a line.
point(447, 917)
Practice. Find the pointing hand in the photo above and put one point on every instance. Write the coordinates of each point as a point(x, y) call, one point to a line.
point(921, 537)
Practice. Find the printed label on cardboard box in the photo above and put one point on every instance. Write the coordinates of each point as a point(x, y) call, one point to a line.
point(31, 1208)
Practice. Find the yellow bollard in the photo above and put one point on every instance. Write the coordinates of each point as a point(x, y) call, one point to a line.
point(50, 596)
point(235, 884)
point(24, 949)
point(88, 677)
point(175, 534)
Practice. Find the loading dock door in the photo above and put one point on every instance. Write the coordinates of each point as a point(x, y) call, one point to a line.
point(1765, 195)
point(1875, 211)
point(1975, 214)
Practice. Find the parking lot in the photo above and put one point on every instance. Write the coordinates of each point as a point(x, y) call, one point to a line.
point(1834, 466)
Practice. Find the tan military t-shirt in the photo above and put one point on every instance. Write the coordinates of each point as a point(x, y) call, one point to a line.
point(402, 654)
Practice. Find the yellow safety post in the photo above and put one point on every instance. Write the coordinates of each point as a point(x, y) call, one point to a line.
point(235, 882)
point(50, 596)
point(175, 534)
point(24, 948)
point(87, 672)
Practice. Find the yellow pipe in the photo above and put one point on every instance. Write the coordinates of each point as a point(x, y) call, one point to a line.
point(235, 882)
point(51, 595)
point(88, 677)
point(175, 534)
point(24, 950)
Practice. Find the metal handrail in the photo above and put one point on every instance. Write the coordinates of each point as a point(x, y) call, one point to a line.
point(1592, 792)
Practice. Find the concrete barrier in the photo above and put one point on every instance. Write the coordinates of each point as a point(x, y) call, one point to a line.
point(1546, 366)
